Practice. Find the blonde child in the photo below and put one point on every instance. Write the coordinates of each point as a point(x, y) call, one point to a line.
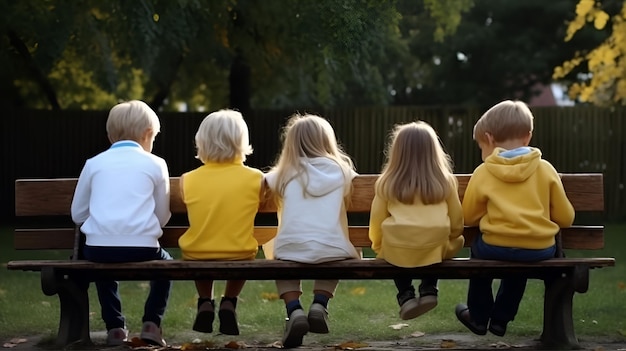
point(311, 181)
point(518, 201)
point(416, 218)
point(222, 198)
point(121, 202)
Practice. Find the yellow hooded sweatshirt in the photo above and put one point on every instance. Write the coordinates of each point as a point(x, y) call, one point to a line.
point(415, 235)
point(517, 199)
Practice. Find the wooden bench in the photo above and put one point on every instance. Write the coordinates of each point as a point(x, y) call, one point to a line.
point(69, 279)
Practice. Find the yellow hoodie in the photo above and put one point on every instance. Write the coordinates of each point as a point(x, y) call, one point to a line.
point(517, 199)
point(415, 235)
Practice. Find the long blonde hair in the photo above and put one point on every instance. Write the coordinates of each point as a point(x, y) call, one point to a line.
point(416, 165)
point(308, 136)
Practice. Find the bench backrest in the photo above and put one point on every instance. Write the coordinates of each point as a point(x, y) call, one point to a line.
point(53, 197)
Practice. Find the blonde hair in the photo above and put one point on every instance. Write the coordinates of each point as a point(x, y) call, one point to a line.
point(130, 120)
point(505, 121)
point(308, 136)
point(223, 137)
point(416, 165)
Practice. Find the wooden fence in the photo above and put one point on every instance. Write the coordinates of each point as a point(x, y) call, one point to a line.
point(36, 144)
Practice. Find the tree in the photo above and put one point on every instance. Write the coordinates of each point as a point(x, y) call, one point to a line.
point(205, 54)
point(501, 50)
point(598, 75)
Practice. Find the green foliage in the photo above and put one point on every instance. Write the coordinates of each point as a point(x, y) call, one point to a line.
point(597, 75)
point(90, 54)
point(501, 50)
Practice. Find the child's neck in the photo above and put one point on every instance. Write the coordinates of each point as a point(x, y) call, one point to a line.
point(511, 144)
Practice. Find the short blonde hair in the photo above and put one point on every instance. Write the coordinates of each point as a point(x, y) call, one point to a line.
point(223, 137)
point(416, 166)
point(130, 120)
point(505, 121)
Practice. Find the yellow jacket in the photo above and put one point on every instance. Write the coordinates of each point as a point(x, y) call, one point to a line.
point(222, 200)
point(517, 199)
point(414, 235)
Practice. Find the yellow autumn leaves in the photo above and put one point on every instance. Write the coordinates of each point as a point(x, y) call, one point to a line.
point(605, 83)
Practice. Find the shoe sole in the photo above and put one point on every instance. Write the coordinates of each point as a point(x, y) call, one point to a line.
point(204, 322)
point(468, 324)
point(228, 322)
point(317, 322)
point(424, 304)
point(294, 335)
point(497, 331)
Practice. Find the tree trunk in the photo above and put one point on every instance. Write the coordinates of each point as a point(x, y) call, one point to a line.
point(39, 77)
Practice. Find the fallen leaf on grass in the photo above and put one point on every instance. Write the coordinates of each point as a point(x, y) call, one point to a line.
point(276, 345)
point(236, 345)
point(398, 326)
point(447, 344)
point(358, 291)
point(418, 334)
point(621, 286)
point(351, 345)
point(269, 296)
point(136, 342)
point(197, 345)
point(14, 342)
point(500, 345)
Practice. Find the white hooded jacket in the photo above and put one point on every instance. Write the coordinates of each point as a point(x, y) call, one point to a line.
point(312, 222)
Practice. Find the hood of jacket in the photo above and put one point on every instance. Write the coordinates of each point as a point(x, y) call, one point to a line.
point(323, 174)
point(513, 166)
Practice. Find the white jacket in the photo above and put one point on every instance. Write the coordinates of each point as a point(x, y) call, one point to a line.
point(312, 225)
point(123, 197)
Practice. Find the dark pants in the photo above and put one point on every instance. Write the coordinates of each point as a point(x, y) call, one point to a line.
point(480, 299)
point(108, 293)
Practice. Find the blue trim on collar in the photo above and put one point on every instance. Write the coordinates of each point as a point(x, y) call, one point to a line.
point(124, 143)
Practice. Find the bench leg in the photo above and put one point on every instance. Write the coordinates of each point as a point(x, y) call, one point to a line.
point(558, 321)
point(74, 303)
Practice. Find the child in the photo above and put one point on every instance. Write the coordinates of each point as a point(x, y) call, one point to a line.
point(222, 198)
point(121, 202)
point(416, 218)
point(311, 181)
point(518, 201)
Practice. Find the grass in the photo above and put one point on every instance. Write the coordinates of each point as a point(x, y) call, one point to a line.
point(362, 310)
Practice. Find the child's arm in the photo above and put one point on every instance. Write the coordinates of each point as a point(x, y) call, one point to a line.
point(378, 213)
point(455, 212)
point(82, 193)
point(561, 210)
point(162, 196)
point(474, 203)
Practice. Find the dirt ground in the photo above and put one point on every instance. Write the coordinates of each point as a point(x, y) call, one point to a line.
point(425, 342)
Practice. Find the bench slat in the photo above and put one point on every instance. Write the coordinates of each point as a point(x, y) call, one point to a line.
point(261, 269)
point(53, 197)
point(578, 237)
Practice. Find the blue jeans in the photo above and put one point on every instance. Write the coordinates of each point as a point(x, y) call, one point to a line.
point(480, 299)
point(108, 292)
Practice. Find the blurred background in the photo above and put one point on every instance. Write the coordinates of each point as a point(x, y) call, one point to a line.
point(363, 64)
